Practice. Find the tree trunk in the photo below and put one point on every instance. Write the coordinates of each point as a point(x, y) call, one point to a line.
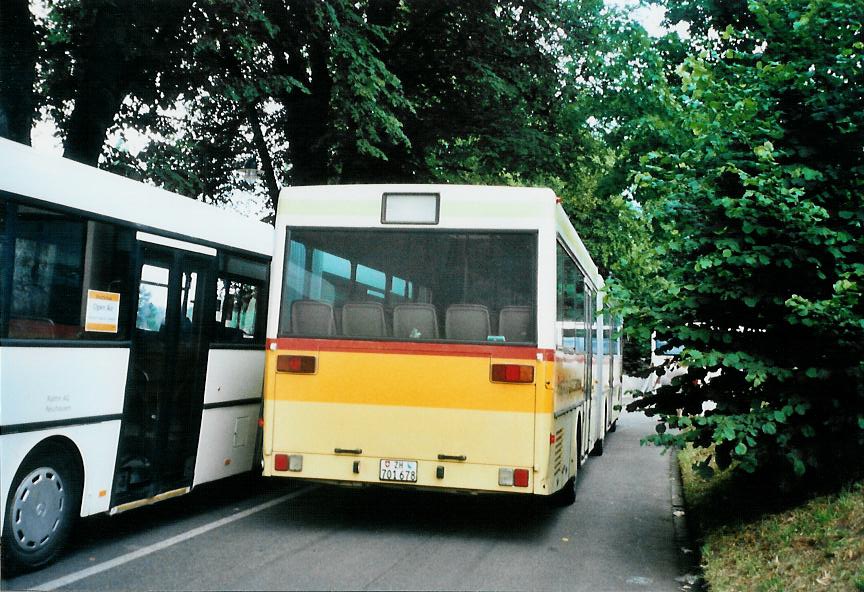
point(307, 127)
point(306, 60)
point(18, 46)
point(264, 155)
point(120, 48)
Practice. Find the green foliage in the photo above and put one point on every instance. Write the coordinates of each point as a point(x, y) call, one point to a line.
point(758, 218)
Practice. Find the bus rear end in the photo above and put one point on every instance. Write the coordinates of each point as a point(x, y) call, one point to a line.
point(408, 356)
point(452, 417)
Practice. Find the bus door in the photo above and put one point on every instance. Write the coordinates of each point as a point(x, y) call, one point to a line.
point(165, 391)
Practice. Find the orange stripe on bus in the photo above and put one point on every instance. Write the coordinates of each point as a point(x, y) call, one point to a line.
point(513, 352)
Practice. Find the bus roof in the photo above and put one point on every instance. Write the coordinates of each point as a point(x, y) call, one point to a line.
point(460, 206)
point(28, 173)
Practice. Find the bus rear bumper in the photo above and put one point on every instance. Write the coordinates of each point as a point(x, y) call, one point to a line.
point(360, 471)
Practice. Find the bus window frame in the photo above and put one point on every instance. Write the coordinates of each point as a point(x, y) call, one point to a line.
point(7, 265)
point(259, 339)
point(586, 286)
point(420, 228)
point(6, 258)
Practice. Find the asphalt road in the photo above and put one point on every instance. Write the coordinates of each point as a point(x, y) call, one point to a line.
point(259, 534)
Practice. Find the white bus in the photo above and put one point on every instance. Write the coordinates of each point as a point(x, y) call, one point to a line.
point(131, 346)
point(433, 336)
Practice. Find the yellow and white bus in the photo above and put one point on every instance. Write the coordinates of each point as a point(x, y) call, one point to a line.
point(431, 336)
point(131, 346)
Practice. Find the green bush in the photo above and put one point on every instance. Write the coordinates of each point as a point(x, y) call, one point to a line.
point(761, 254)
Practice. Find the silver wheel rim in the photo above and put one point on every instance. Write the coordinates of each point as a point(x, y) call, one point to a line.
point(37, 510)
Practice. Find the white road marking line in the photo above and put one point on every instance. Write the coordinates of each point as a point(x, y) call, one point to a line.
point(117, 561)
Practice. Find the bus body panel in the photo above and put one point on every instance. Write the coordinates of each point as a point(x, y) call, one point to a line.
point(233, 375)
point(402, 406)
point(226, 444)
point(544, 479)
point(424, 433)
point(570, 404)
point(562, 459)
point(95, 443)
point(39, 384)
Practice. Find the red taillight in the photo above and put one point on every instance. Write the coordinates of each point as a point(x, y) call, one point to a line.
point(280, 463)
point(512, 373)
point(520, 477)
point(260, 422)
point(296, 364)
point(551, 437)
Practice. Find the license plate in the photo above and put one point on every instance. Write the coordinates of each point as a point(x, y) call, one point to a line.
point(398, 470)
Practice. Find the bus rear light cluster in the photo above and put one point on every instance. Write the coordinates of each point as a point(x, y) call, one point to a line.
point(296, 364)
point(513, 477)
point(516, 373)
point(288, 462)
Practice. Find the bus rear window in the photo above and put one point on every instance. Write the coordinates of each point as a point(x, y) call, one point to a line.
point(418, 285)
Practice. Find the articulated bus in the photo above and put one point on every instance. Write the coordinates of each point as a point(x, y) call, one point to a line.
point(131, 346)
point(441, 337)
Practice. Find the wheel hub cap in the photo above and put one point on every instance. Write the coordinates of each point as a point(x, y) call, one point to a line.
point(38, 508)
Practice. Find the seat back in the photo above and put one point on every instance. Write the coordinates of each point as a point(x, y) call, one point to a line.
point(467, 322)
point(31, 328)
point(312, 317)
point(415, 321)
point(363, 319)
point(514, 323)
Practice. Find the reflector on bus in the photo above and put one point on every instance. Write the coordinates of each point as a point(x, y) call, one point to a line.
point(512, 373)
point(296, 364)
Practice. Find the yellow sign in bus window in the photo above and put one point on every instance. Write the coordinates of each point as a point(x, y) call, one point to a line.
point(103, 312)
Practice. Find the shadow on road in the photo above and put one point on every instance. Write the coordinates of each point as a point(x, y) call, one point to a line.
point(386, 510)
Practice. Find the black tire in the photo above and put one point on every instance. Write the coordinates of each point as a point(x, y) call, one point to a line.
point(566, 496)
point(598, 448)
point(614, 426)
point(43, 503)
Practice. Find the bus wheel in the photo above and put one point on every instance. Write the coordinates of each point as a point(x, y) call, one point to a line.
point(598, 448)
point(565, 496)
point(614, 426)
point(40, 509)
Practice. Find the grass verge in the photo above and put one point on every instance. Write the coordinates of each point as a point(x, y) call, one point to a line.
point(753, 537)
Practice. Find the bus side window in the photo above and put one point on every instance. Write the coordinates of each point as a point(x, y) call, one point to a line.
point(236, 314)
point(69, 278)
point(239, 291)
